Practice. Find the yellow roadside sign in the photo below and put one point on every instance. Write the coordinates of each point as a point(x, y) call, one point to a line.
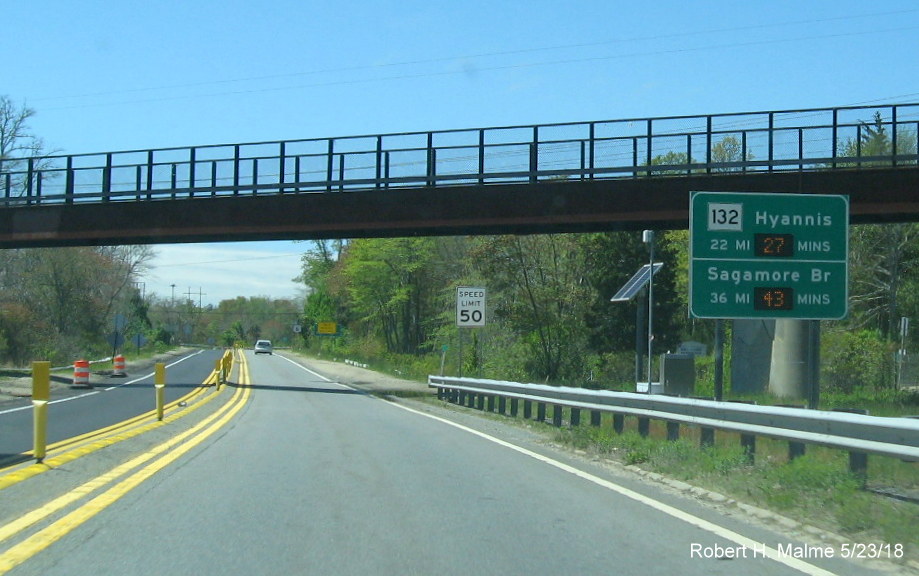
point(327, 328)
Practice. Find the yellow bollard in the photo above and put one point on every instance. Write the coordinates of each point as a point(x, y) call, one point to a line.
point(227, 365)
point(41, 394)
point(159, 382)
point(218, 370)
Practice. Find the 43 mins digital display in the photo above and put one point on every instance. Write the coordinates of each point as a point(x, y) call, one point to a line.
point(773, 298)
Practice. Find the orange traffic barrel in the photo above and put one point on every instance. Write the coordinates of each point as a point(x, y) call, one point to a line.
point(81, 374)
point(118, 371)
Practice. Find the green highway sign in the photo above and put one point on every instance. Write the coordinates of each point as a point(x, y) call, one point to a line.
point(768, 255)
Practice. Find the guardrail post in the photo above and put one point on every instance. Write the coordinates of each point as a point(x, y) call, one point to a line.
point(461, 397)
point(41, 394)
point(673, 431)
point(514, 405)
point(644, 426)
point(527, 409)
point(858, 466)
point(491, 403)
point(575, 416)
point(595, 416)
point(706, 437)
point(541, 411)
point(556, 415)
point(618, 423)
point(502, 405)
point(796, 449)
point(748, 443)
point(159, 382)
point(858, 461)
point(480, 402)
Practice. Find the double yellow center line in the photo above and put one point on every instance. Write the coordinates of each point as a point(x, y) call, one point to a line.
point(131, 474)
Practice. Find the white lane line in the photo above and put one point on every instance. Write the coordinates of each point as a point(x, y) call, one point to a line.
point(94, 392)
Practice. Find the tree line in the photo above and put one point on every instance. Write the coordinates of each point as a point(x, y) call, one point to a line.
point(549, 314)
point(62, 304)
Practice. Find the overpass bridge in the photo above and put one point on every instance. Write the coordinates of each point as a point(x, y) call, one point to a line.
point(604, 175)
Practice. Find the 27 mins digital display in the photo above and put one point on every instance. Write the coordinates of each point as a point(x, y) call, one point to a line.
point(774, 245)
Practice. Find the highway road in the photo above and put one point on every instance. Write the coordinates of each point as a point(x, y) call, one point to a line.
point(73, 412)
point(308, 476)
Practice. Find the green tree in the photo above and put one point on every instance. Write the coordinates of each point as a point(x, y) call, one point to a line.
point(612, 258)
point(883, 259)
point(874, 141)
point(540, 291)
point(389, 289)
point(883, 262)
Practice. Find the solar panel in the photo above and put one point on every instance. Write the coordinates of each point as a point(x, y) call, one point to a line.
point(636, 283)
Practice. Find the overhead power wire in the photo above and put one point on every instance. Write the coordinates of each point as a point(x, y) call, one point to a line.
point(480, 55)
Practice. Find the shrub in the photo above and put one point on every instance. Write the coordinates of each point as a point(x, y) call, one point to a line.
point(854, 360)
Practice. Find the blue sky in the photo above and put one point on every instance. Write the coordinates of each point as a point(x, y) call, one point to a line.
point(107, 76)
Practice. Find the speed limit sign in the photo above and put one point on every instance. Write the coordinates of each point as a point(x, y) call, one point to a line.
point(470, 306)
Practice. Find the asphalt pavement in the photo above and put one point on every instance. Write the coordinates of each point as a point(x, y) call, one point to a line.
point(312, 476)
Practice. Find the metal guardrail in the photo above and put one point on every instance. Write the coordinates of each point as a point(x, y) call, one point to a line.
point(856, 433)
point(791, 140)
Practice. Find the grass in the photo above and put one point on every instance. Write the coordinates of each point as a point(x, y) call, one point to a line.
point(817, 487)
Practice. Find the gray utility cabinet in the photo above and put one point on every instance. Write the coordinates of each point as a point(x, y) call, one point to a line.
point(678, 374)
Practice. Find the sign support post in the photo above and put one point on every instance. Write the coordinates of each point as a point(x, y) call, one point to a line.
point(470, 313)
point(773, 255)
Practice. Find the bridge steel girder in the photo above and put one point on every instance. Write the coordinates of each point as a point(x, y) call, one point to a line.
point(876, 195)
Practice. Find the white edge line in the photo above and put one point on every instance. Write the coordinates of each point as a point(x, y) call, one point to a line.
point(314, 373)
point(672, 511)
point(716, 529)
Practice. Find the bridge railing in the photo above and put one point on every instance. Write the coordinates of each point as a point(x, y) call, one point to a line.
point(810, 139)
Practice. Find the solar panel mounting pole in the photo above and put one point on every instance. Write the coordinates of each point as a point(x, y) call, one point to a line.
point(648, 238)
